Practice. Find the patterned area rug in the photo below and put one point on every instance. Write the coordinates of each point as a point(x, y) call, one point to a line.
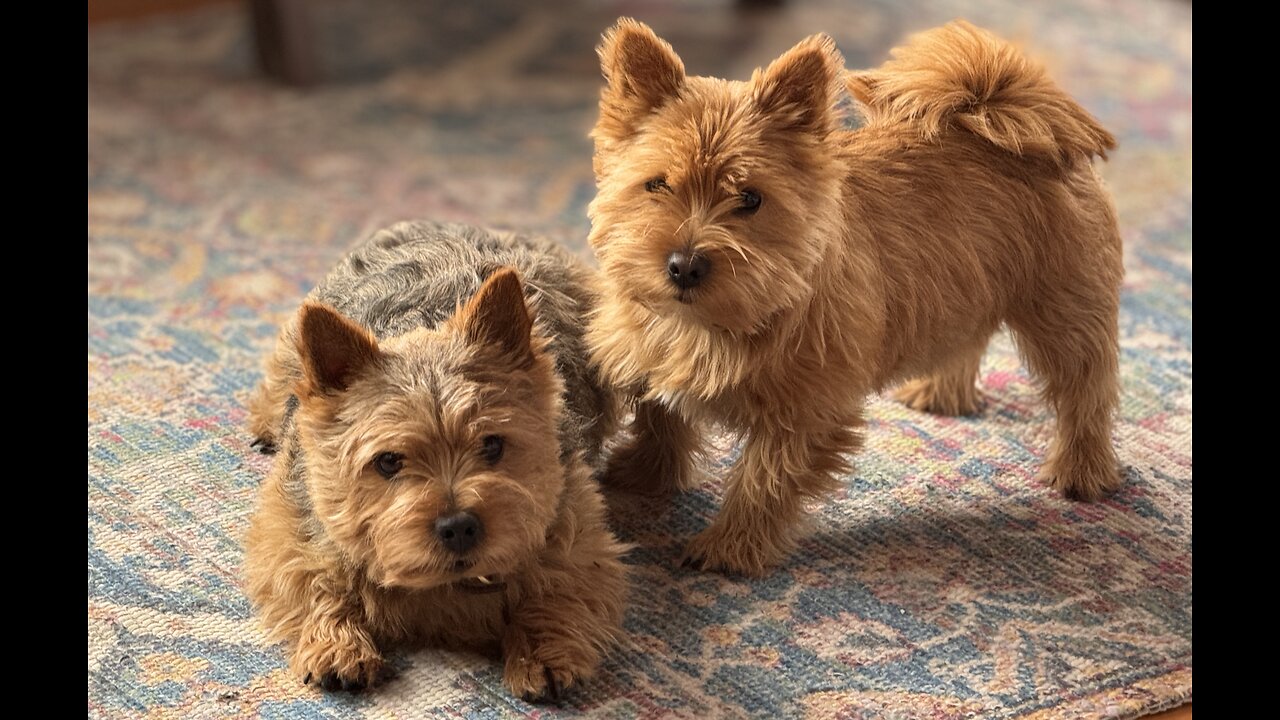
point(943, 582)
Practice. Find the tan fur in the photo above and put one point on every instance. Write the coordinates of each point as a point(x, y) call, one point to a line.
point(341, 561)
point(266, 404)
point(963, 76)
point(881, 255)
point(658, 457)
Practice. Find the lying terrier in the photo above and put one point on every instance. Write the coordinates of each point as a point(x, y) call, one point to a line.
point(433, 480)
point(770, 269)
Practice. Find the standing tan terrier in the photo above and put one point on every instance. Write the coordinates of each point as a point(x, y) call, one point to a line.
point(770, 269)
point(433, 479)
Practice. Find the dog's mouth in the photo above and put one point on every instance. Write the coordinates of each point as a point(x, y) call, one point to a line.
point(686, 298)
point(481, 584)
point(477, 583)
point(459, 573)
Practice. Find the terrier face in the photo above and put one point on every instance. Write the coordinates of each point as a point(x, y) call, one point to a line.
point(432, 457)
point(717, 199)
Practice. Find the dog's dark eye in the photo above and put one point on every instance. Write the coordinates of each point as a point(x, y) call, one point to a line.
point(656, 185)
point(388, 464)
point(750, 202)
point(491, 449)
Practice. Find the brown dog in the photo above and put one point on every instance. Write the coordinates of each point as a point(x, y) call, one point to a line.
point(770, 269)
point(433, 479)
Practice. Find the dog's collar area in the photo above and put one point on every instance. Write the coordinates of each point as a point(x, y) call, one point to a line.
point(481, 585)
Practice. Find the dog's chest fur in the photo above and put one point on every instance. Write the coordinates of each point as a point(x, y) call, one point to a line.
point(791, 374)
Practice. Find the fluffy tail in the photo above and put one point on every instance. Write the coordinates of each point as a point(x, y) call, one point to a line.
point(962, 76)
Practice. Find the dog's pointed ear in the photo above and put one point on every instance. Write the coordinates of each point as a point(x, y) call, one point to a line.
point(799, 90)
point(497, 316)
point(641, 72)
point(864, 86)
point(333, 349)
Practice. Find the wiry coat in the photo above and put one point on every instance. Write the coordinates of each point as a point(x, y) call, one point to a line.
point(412, 389)
point(417, 273)
point(876, 255)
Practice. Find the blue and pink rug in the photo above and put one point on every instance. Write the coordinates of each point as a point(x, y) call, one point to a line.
point(942, 583)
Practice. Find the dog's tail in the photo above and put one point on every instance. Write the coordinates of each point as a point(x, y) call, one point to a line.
point(962, 76)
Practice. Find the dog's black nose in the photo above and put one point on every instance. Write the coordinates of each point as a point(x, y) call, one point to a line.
point(460, 531)
point(687, 270)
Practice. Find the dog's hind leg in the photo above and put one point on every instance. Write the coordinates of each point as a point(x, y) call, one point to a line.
point(1068, 337)
point(951, 390)
point(269, 402)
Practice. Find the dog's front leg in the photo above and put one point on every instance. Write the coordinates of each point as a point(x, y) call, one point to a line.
point(780, 469)
point(657, 458)
point(334, 649)
point(566, 611)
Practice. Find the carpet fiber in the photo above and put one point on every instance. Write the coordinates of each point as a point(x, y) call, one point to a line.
point(942, 582)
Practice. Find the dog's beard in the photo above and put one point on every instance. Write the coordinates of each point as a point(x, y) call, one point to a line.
point(430, 568)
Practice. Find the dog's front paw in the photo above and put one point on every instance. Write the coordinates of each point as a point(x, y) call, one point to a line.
point(644, 467)
point(733, 552)
point(345, 660)
point(530, 679)
point(540, 670)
